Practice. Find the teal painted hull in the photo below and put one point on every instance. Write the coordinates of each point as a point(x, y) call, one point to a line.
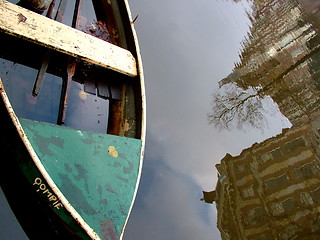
point(97, 173)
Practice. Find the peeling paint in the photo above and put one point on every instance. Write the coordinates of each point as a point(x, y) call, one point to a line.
point(126, 126)
point(108, 230)
point(113, 152)
point(80, 133)
point(67, 167)
point(22, 18)
point(83, 95)
point(122, 179)
point(73, 191)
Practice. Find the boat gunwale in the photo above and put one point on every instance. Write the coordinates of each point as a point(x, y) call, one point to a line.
point(143, 107)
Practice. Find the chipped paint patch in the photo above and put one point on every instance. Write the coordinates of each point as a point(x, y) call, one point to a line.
point(108, 230)
point(22, 18)
point(83, 95)
point(113, 151)
point(126, 126)
point(80, 133)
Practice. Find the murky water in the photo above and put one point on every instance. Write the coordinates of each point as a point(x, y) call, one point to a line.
point(233, 109)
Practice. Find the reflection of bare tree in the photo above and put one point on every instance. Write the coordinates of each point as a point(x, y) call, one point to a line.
point(234, 105)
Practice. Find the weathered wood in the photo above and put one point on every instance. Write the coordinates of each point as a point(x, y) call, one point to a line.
point(33, 27)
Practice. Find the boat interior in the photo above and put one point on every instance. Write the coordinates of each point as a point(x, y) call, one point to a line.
point(36, 77)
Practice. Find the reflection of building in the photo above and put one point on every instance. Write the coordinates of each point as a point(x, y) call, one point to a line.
point(277, 54)
point(272, 190)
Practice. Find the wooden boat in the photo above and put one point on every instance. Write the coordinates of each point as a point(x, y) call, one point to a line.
point(72, 117)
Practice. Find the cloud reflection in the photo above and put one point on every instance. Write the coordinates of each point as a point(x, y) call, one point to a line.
point(168, 205)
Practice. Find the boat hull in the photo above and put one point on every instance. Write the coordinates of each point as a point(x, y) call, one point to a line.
point(85, 180)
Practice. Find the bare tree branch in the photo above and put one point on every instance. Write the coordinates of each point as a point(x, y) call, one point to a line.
point(232, 105)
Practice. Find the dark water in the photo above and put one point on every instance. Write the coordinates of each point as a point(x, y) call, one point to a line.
point(221, 76)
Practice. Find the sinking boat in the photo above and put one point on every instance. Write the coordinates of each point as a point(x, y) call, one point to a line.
point(72, 116)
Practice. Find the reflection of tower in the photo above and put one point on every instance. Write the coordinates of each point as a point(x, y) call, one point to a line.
point(277, 56)
point(272, 190)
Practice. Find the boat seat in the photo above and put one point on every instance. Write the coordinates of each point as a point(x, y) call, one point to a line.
point(41, 30)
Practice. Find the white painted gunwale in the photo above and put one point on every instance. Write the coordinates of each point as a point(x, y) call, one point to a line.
point(143, 110)
point(55, 189)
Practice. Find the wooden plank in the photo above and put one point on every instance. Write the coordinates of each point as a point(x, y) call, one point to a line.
point(33, 27)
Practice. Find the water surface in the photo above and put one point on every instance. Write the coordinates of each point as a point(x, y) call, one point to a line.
point(233, 109)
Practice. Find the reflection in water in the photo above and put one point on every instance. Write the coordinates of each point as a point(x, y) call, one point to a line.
point(272, 189)
point(279, 59)
point(86, 110)
point(19, 81)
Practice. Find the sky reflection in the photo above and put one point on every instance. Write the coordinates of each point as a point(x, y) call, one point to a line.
point(187, 48)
